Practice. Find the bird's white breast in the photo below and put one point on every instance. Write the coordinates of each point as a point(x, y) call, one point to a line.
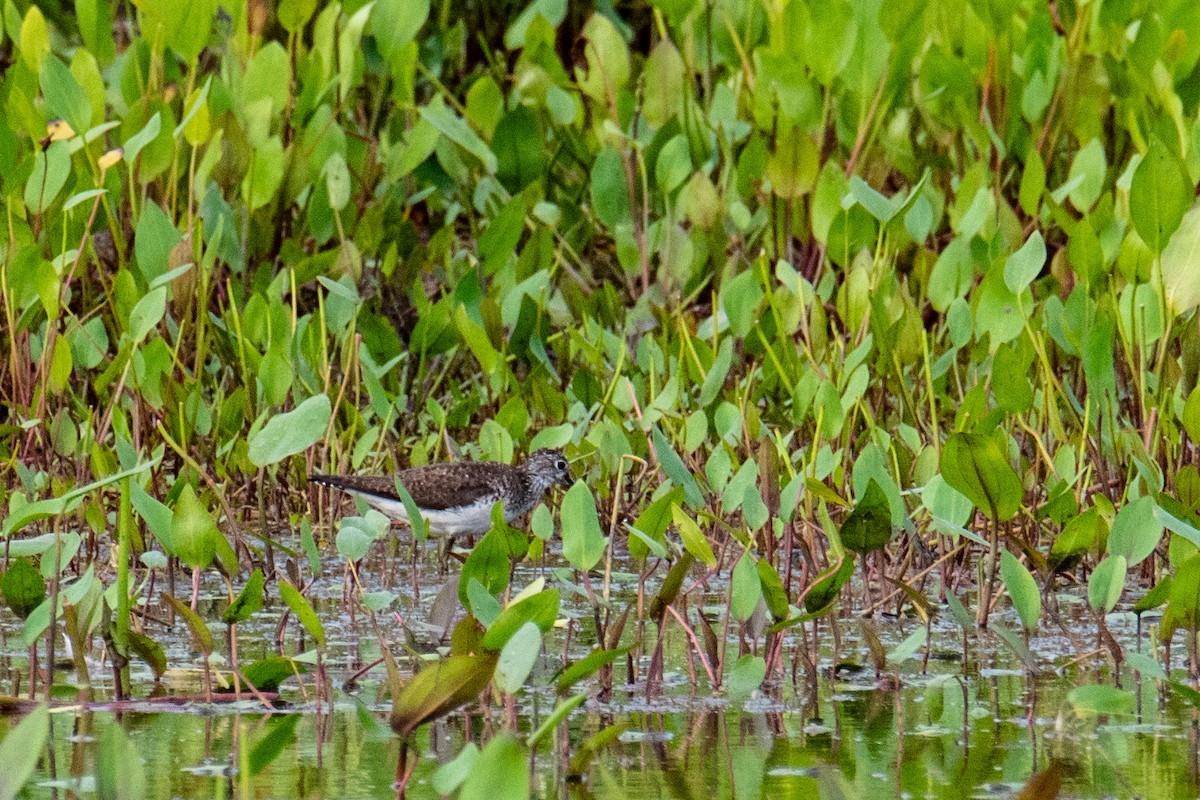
point(473, 518)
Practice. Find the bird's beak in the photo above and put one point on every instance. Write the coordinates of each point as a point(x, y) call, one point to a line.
point(566, 481)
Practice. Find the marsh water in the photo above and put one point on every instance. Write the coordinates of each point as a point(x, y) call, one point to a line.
point(969, 724)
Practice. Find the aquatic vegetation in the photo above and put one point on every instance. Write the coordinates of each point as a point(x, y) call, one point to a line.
point(803, 292)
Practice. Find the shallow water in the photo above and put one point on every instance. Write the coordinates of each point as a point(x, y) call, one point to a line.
point(977, 727)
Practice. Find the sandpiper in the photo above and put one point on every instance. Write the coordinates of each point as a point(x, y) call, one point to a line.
point(457, 498)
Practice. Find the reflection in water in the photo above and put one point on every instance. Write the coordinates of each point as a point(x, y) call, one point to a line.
point(971, 728)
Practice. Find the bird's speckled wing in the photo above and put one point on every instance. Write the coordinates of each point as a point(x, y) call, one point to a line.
point(435, 487)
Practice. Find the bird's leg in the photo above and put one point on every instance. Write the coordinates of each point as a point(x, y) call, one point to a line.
point(445, 549)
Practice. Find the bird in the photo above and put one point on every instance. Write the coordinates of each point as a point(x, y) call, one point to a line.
point(457, 498)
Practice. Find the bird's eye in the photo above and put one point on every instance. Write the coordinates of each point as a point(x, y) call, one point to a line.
point(560, 464)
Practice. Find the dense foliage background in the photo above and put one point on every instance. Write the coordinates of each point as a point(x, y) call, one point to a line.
point(750, 260)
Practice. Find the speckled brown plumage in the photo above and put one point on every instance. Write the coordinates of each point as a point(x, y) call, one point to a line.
point(458, 497)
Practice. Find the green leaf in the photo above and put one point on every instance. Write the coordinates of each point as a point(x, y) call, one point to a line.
point(1088, 169)
point(193, 530)
point(352, 540)
point(65, 98)
point(1154, 598)
point(149, 651)
point(51, 167)
point(395, 23)
point(560, 712)
point(1136, 531)
point(120, 774)
point(541, 609)
point(1081, 534)
point(1033, 184)
point(671, 585)
point(456, 129)
point(304, 611)
point(1191, 414)
point(23, 587)
point(449, 776)
point(652, 524)
point(1101, 699)
point(1023, 590)
point(295, 14)
point(28, 513)
point(745, 676)
point(202, 637)
point(773, 590)
point(96, 28)
point(517, 658)
point(869, 526)
point(500, 772)
point(1106, 583)
point(1181, 266)
point(609, 190)
point(1159, 195)
point(1184, 602)
point(1024, 265)
point(146, 314)
point(693, 538)
point(746, 588)
point(248, 600)
point(266, 171)
point(740, 298)
point(825, 588)
point(583, 541)
point(793, 165)
point(441, 688)
point(135, 143)
point(155, 513)
point(552, 11)
point(587, 666)
point(975, 465)
point(291, 432)
point(282, 735)
point(880, 207)
point(266, 674)
point(679, 474)
point(488, 563)
point(22, 748)
point(909, 647)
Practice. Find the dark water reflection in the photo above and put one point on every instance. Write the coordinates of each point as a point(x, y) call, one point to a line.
point(978, 732)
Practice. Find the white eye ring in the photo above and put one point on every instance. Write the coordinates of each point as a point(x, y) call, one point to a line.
point(560, 464)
